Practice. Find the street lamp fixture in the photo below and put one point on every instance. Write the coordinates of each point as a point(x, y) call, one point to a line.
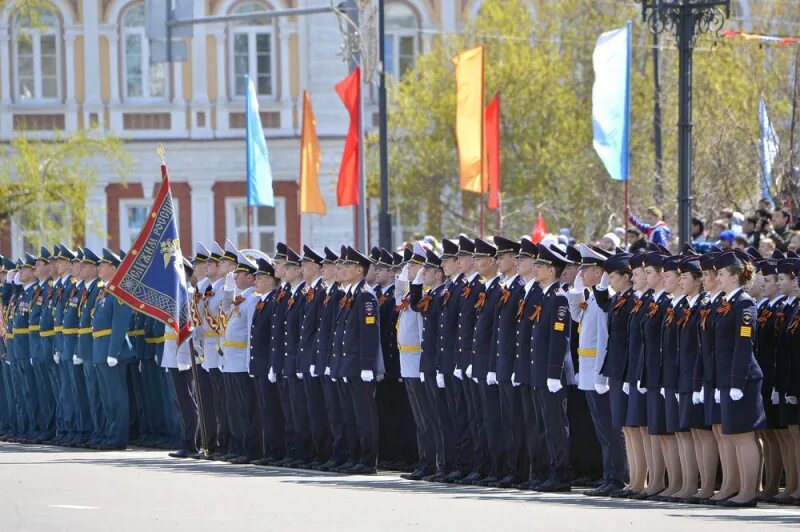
point(686, 20)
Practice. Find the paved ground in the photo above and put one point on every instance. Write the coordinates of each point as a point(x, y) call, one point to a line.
point(44, 489)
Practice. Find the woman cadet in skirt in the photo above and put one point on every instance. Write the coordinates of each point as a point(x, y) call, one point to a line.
point(738, 377)
point(691, 414)
point(650, 369)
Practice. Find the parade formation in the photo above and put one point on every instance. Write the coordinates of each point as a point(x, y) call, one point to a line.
point(491, 362)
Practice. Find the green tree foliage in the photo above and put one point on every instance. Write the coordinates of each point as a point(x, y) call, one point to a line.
point(542, 67)
point(44, 184)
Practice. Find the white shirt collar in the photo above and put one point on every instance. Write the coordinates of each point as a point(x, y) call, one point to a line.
point(790, 299)
point(316, 282)
point(658, 294)
point(265, 296)
point(638, 293)
point(548, 286)
point(508, 281)
point(529, 285)
point(676, 300)
point(694, 298)
point(472, 277)
point(25, 287)
point(775, 300)
point(733, 294)
point(296, 287)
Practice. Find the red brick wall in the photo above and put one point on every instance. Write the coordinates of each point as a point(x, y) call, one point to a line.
point(181, 192)
point(286, 189)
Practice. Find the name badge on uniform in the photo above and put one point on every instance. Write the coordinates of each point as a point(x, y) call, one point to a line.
point(746, 332)
point(369, 313)
point(558, 326)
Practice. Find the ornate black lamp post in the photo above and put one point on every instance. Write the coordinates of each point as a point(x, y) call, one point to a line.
point(685, 19)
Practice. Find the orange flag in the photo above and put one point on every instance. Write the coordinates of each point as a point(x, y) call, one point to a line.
point(539, 230)
point(349, 91)
point(469, 119)
point(492, 132)
point(310, 198)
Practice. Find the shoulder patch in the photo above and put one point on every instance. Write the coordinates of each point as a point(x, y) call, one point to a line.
point(562, 312)
point(369, 308)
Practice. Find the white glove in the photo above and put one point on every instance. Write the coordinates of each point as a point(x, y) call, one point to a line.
point(16, 278)
point(419, 278)
point(579, 286)
point(367, 375)
point(56, 359)
point(554, 385)
point(421, 377)
point(697, 398)
point(601, 388)
point(662, 393)
point(736, 394)
point(775, 397)
point(273, 378)
point(380, 377)
point(76, 360)
point(140, 366)
point(439, 380)
point(31, 360)
point(640, 388)
point(327, 371)
point(112, 361)
point(514, 380)
point(716, 396)
point(344, 380)
point(312, 369)
point(458, 374)
point(677, 397)
point(603, 284)
point(230, 282)
point(491, 378)
point(702, 394)
point(181, 367)
point(791, 399)
point(403, 273)
point(475, 380)
point(299, 376)
point(577, 377)
point(469, 371)
point(626, 388)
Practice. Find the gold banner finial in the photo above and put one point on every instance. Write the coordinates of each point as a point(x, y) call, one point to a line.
point(161, 153)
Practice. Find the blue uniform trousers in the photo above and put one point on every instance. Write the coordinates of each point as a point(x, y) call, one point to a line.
point(612, 443)
point(113, 388)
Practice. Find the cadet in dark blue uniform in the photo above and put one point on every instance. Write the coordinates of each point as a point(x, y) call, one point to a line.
point(501, 362)
point(738, 376)
point(45, 369)
point(26, 382)
point(551, 364)
point(92, 287)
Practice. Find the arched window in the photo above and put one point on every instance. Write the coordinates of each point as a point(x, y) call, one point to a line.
point(253, 52)
point(401, 37)
point(37, 52)
point(142, 80)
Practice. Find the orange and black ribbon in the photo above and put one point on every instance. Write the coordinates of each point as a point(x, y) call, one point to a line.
point(724, 308)
point(536, 314)
point(520, 308)
point(637, 306)
point(687, 314)
point(764, 316)
point(403, 306)
point(326, 300)
point(260, 306)
point(383, 299)
point(504, 297)
point(466, 292)
point(780, 318)
point(794, 325)
point(619, 304)
point(670, 316)
point(481, 301)
point(446, 298)
point(310, 295)
point(584, 305)
point(290, 303)
point(703, 317)
point(423, 305)
point(652, 310)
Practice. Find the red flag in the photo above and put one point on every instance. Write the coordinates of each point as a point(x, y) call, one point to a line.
point(491, 130)
point(349, 90)
point(539, 230)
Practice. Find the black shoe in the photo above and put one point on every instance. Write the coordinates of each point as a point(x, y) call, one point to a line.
point(260, 462)
point(509, 481)
point(182, 453)
point(487, 481)
point(361, 469)
point(606, 489)
point(752, 503)
point(199, 455)
point(299, 464)
point(471, 478)
point(345, 467)
point(285, 462)
point(554, 487)
point(621, 494)
point(453, 477)
point(328, 466)
point(583, 480)
point(240, 460)
point(419, 474)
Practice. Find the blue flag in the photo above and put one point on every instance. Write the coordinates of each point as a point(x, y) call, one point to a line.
point(769, 148)
point(151, 278)
point(611, 101)
point(259, 171)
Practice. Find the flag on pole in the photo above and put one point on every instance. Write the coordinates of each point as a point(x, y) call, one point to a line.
point(492, 133)
point(770, 145)
point(539, 230)
point(310, 197)
point(611, 101)
point(259, 171)
point(151, 278)
point(470, 120)
point(349, 91)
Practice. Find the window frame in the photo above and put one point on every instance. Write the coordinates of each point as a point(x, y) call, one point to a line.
point(141, 32)
point(126, 238)
point(35, 35)
point(396, 34)
point(252, 59)
point(233, 230)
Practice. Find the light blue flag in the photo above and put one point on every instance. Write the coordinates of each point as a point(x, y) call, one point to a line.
point(769, 148)
point(259, 171)
point(611, 101)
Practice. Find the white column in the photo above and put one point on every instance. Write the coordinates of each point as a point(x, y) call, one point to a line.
point(222, 81)
point(70, 118)
point(178, 104)
point(200, 102)
point(202, 208)
point(114, 108)
point(91, 59)
point(96, 219)
point(5, 83)
point(286, 30)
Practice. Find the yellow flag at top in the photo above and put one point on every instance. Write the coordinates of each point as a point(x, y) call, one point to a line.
point(310, 198)
point(470, 120)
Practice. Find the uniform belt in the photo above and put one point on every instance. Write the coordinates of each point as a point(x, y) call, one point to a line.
point(154, 340)
point(169, 336)
point(101, 333)
point(410, 348)
point(136, 332)
point(212, 334)
point(9, 336)
point(59, 328)
point(21, 331)
point(70, 331)
point(34, 328)
point(235, 345)
point(47, 334)
point(85, 330)
point(587, 352)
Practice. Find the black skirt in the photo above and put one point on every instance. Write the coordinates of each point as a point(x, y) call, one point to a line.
point(692, 416)
point(656, 414)
point(787, 414)
point(711, 409)
point(637, 408)
point(746, 414)
point(619, 403)
point(672, 413)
